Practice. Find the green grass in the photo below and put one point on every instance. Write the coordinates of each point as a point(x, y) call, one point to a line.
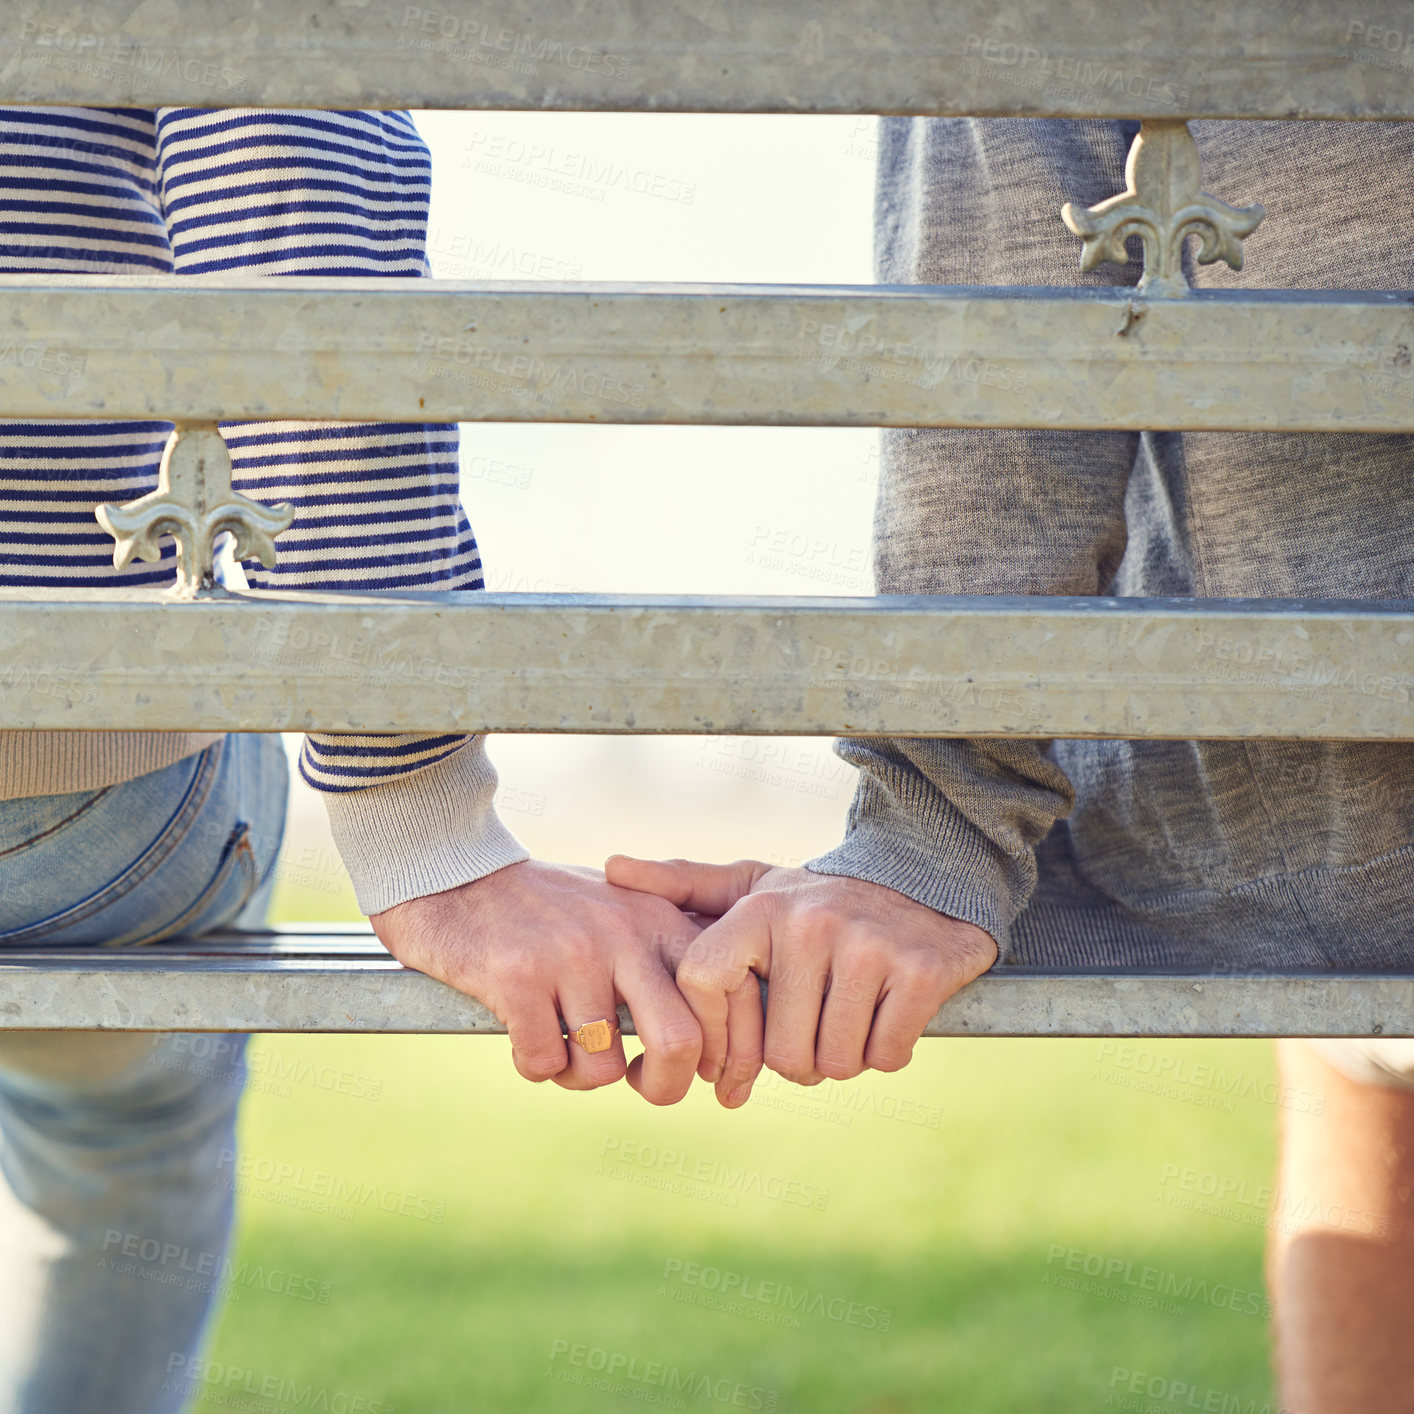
point(543, 1246)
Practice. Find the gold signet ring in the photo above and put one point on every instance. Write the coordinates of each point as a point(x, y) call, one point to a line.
point(596, 1036)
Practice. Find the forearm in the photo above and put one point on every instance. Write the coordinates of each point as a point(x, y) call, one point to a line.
point(377, 506)
point(954, 823)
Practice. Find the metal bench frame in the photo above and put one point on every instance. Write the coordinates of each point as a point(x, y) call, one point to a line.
point(1159, 357)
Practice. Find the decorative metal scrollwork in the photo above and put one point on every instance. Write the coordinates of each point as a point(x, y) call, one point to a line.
point(1162, 204)
point(194, 503)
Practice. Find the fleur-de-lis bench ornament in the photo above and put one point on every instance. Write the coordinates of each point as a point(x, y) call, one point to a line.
point(1163, 204)
point(194, 503)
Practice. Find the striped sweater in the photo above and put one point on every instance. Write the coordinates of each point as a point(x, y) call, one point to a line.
point(186, 191)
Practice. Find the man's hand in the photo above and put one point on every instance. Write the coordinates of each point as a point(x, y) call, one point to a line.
point(541, 942)
point(856, 970)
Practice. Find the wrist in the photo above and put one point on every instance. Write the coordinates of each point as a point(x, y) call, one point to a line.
point(423, 833)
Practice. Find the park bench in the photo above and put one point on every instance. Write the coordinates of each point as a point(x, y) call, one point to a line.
point(1159, 357)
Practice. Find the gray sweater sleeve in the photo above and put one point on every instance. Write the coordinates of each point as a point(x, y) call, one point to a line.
point(954, 823)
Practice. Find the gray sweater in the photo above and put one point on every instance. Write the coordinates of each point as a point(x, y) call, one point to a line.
point(1118, 853)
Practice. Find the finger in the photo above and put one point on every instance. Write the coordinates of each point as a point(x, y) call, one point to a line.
point(746, 1029)
point(538, 1047)
point(578, 1005)
point(672, 1039)
point(907, 1007)
point(672, 947)
point(698, 888)
point(848, 1015)
point(721, 959)
point(793, 1012)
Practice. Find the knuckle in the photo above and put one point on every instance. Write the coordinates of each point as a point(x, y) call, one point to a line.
point(539, 1065)
point(579, 948)
point(513, 971)
point(792, 1067)
point(806, 1079)
point(922, 971)
point(837, 1067)
point(662, 1095)
point(704, 974)
point(850, 986)
point(888, 1058)
point(756, 910)
point(680, 1046)
point(854, 962)
point(741, 1068)
point(789, 973)
point(605, 1070)
point(815, 922)
point(697, 975)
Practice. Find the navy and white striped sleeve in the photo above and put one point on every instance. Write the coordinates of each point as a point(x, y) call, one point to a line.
point(377, 505)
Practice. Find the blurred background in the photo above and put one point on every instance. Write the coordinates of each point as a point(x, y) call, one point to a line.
point(1004, 1226)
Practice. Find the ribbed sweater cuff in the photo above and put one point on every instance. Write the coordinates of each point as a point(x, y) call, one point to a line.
point(424, 832)
point(935, 855)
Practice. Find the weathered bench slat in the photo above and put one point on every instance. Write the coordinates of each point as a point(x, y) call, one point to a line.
point(1108, 58)
point(346, 982)
point(586, 663)
point(206, 348)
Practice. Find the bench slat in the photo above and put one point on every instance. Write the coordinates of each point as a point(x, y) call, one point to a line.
point(1135, 58)
point(206, 348)
point(976, 666)
point(346, 982)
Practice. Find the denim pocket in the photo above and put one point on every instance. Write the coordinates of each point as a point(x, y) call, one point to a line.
point(119, 888)
point(229, 891)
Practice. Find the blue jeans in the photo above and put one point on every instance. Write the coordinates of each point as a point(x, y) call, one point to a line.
point(113, 1227)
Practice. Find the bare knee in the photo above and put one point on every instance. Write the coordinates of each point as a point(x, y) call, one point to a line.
point(1342, 1241)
